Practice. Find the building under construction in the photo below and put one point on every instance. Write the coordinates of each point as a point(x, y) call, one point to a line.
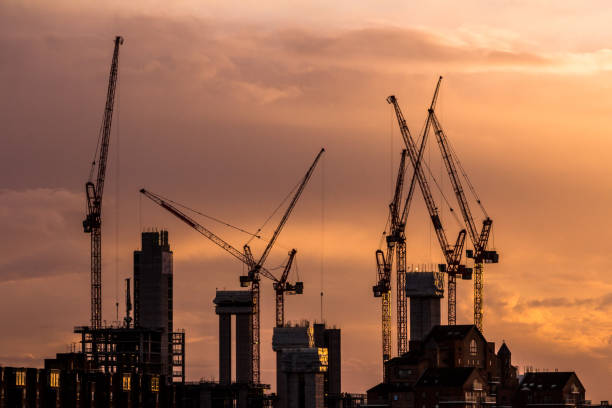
point(149, 345)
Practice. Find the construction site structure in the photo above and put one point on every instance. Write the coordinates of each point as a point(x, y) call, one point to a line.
point(301, 367)
point(253, 275)
point(396, 243)
point(452, 254)
point(480, 240)
point(424, 287)
point(238, 303)
point(153, 294)
point(284, 286)
point(151, 345)
point(94, 189)
point(330, 339)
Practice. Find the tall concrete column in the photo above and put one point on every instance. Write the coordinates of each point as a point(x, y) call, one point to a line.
point(425, 291)
point(225, 348)
point(244, 348)
point(240, 304)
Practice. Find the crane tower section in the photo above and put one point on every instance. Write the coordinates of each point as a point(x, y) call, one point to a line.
point(94, 189)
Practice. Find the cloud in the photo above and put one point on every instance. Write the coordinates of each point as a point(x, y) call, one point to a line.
point(225, 116)
point(40, 233)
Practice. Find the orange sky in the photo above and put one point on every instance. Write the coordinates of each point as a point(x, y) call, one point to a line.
point(223, 106)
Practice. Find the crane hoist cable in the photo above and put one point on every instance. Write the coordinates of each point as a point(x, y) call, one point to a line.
point(209, 217)
point(275, 211)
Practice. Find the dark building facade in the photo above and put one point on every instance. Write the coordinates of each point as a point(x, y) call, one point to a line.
point(153, 298)
point(32, 387)
point(330, 339)
point(562, 389)
point(452, 366)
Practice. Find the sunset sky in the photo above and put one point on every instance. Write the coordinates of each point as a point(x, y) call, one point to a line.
point(223, 105)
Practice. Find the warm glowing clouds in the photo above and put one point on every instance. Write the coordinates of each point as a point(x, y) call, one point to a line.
point(223, 108)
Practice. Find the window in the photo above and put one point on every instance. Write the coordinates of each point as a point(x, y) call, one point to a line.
point(473, 347)
point(20, 378)
point(155, 384)
point(54, 378)
point(127, 382)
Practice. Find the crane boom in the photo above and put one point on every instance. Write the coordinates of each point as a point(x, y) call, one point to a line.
point(294, 200)
point(94, 190)
point(243, 257)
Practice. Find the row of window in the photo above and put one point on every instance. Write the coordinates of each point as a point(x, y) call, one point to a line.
point(54, 380)
point(20, 378)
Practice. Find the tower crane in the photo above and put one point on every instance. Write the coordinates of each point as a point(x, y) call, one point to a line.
point(480, 254)
point(452, 254)
point(382, 288)
point(245, 257)
point(253, 274)
point(93, 193)
point(396, 243)
point(283, 286)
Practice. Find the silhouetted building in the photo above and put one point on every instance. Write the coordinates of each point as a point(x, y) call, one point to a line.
point(153, 292)
point(424, 289)
point(455, 387)
point(32, 387)
point(452, 366)
point(150, 347)
point(240, 304)
point(330, 339)
point(562, 389)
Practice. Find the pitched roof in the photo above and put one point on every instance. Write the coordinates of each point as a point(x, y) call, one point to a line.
point(445, 332)
point(384, 388)
point(503, 350)
point(546, 380)
point(445, 377)
point(411, 357)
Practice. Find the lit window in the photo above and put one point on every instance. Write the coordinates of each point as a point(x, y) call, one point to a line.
point(127, 382)
point(155, 384)
point(54, 378)
point(20, 378)
point(473, 347)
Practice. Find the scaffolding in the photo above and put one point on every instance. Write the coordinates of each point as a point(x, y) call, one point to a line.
point(135, 350)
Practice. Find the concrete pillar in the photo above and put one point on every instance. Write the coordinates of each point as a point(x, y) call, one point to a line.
point(281, 381)
point(225, 348)
point(244, 348)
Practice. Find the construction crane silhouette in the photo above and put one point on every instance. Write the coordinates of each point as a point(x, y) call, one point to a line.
point(253, 274)
point(94, 190)
point(452, 254)
point(245, 257)
point(396, 243)
point(255, 268)
point(480, 254)
point(283, 286)
point(382, 288)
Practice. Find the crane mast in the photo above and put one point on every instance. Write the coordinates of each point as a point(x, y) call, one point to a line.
point(396, 243)
point(479, 240)
point(452, 254)
point(384, 265)
point(94, 190)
